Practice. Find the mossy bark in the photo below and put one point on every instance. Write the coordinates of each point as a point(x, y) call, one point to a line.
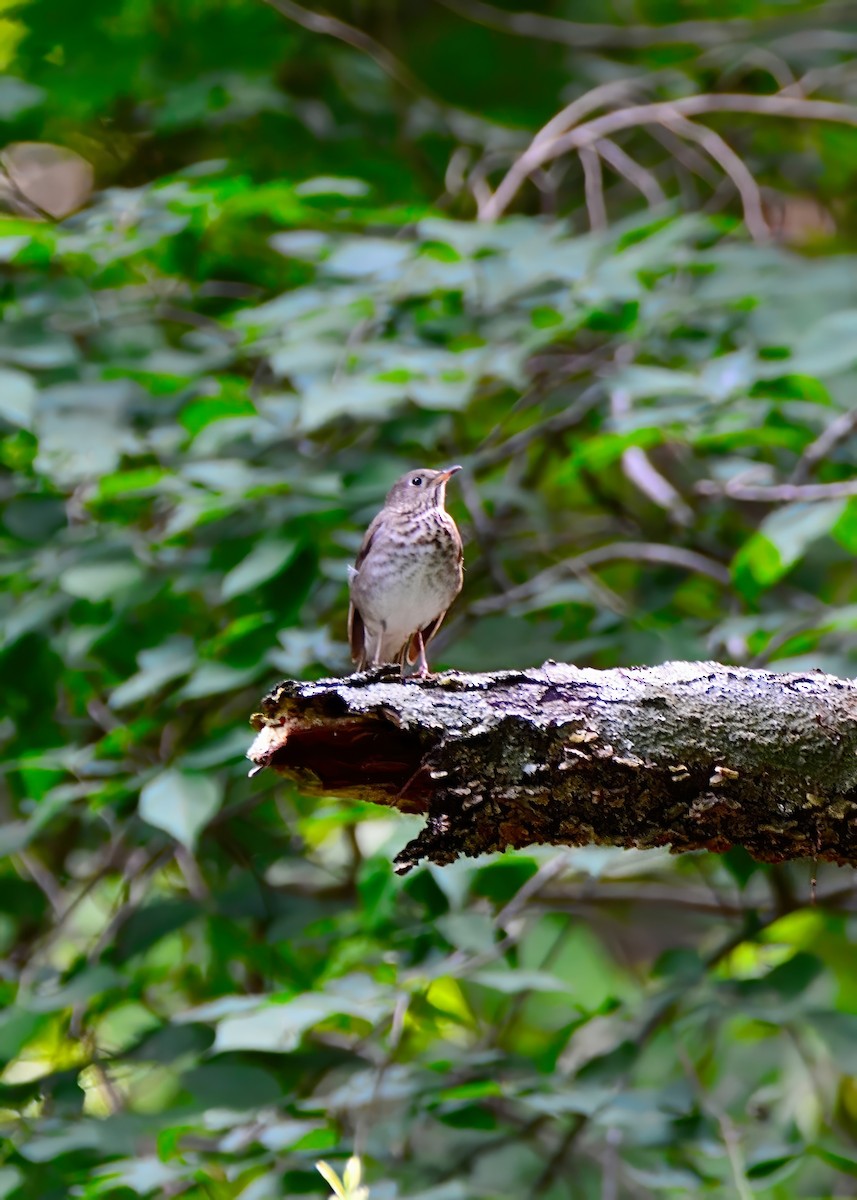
point(694, 755)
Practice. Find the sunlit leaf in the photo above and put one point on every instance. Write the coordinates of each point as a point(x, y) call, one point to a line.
point(180, 803)
point(17, 398)
point(266, 559)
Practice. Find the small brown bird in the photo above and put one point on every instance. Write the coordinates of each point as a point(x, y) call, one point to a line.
point(407, 574)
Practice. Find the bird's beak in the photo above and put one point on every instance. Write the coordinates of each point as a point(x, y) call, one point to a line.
point(446, 475)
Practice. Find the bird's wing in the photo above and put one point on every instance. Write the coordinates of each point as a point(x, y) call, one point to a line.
point(368, 539)
point(356, 628)
point(356, 636)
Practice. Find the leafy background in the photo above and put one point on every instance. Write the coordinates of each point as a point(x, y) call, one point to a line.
point(277, 298)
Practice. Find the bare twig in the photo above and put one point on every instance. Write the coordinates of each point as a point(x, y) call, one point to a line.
point(594, 188)
point(735, 167)
point(351, 36)
point(754, 58)
point(191, 874)
point(818, 77)
point(585, 35)
point(811, 40)
point(43, 879)
point(456, 170)
point(839, 430)
point(644, 475)
point(110, 1092)
point(568, 897)
point(185, 316)
point(659, 113)
point(778, 493)
point(557, 1161)
point(486, 535)
point(637, 175)
point(688, 156)
point(651, 552)
point(590, 35)
point(534, 886)
point(618, 91)
point(513, 446)
point(728, 1132)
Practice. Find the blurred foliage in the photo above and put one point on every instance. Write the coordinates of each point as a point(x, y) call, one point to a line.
point(275, 302)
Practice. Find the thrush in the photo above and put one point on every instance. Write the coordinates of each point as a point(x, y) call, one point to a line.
point(406, 575)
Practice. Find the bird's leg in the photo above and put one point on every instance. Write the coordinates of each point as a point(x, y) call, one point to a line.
point(422, 661)
point(376, 652)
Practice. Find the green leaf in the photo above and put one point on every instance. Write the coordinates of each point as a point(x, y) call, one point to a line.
point(267, 559)
point(279, 1027)
point(52, 995)
point(130, 483)
point(10, 1180)
point(100, 580)
point(17, 397)
point(828, 347)
point(16, 95)
point(230, 1084)
point(181, 803)
point(783, 538)
point(512, 982)
point(158, 667)
point(332, 185)
point(141, 1175)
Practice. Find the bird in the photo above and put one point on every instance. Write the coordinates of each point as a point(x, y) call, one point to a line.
point(407, 573)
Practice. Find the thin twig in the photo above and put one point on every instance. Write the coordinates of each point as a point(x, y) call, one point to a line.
point(185, 316)
point(588, 35)
point(638, 467)
point(644, 475)
point(43, 879)
point(513, 446)
point(839, 430)
point(818, 77)
point(193, 877)
point(688, 156)
point(658, 113)
point(351, 36)
point(733, 166)
point(778, 493)
point(456, 170)
point(486, 534)
point(534, 886)
point(616, 92)
point(651, 552)
point(811, 40)
point(556, 1163)
point(637, 175)
point(755, 58)
point(728, 1132)
point(585, 35)
point(610, 1165)
point(593, 183)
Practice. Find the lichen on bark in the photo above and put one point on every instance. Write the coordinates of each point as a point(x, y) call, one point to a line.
point(694, 755)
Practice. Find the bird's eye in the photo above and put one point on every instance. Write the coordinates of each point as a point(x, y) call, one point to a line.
point(417, 481)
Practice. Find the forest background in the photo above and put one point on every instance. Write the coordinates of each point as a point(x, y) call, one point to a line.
point(251, 272)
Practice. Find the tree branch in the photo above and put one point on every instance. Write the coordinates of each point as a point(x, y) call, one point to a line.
point(358, 39)
point(543, 149)
point(586, 34)
point(778, 493)
point(650, 552)
point(694, 755)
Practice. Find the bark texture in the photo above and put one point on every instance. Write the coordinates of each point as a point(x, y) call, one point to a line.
point(695, 755)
